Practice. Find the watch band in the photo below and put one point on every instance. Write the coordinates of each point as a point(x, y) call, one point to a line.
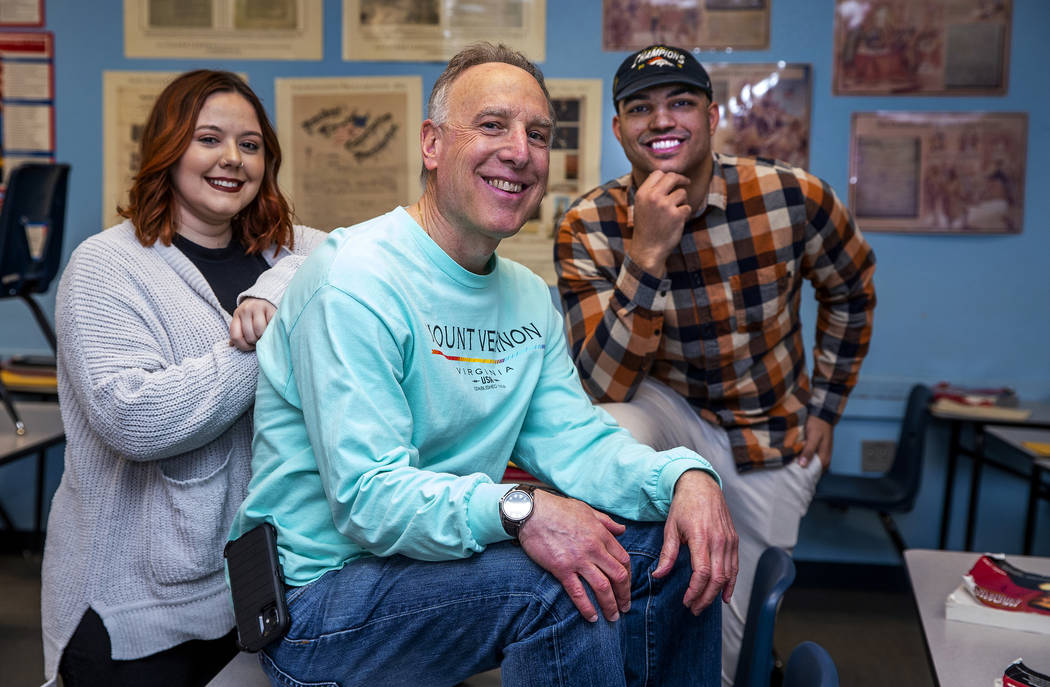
point(513, 527)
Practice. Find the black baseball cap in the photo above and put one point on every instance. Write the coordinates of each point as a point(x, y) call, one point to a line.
point(656, 65)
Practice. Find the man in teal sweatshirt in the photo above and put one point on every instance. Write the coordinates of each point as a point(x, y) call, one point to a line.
point(406, 365)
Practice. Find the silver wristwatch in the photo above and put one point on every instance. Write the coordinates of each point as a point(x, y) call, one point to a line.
point(516, 507)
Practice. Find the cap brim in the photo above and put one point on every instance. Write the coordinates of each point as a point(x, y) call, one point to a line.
point(658, 80)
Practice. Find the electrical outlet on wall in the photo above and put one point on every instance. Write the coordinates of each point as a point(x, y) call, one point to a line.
point(877, 456)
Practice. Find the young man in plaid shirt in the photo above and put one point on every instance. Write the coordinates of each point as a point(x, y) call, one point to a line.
point(681, 282)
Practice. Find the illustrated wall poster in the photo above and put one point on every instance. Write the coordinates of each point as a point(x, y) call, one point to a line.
point(960, 172)
point(575, 168)
point(22, 13)
point(351, 146)
point(909, 47)
point(688, 24)
point(27, 100)
point(224, 29)
point(434, 31)
point(764, 110)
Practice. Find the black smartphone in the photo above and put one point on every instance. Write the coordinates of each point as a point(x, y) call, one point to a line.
point(257, 584)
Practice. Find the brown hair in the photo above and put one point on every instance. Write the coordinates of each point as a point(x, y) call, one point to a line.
point(166, 136)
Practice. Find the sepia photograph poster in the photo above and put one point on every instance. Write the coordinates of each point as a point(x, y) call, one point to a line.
point(909, 47)
point(700, 24)
point(22, 13)
point(575, 168)
point(351, 146)
point(127, 98)
point(763, 110)
point(27, 100)
point(435, 30)
point(223, 29)
point(959, 172)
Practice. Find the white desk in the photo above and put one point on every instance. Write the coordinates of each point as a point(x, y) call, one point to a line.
point(44, 429)
point(1015, 437)
point(967, 654)
point(1039, 418)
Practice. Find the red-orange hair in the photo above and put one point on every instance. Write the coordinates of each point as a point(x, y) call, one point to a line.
point(167, 135)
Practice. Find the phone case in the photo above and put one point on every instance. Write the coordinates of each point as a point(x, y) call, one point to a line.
point(257, 584)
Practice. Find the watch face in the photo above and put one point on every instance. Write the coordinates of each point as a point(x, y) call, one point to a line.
point(517, 505)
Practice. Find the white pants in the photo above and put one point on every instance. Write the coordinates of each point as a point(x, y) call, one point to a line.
point(766, 505)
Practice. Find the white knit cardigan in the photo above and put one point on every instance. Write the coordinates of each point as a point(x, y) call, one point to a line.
point(155, 404)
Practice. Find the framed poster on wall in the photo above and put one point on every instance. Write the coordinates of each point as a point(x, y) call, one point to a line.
point(763, 110)
point(433, 31)
point(27, 99)
point(701, 24)
point(351, 146)
point(22, 13)
point(936, 47)
point(223, 29)
point(575, 168)
point(938, 172)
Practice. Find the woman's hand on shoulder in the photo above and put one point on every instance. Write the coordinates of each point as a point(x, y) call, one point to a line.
point(250, 320)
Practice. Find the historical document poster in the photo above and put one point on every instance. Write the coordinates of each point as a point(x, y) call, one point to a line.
point(27, 99)
point(909, 47)
point(223, 29)
point(763, 110)
point(701, 24)
point(22, 13)
point(351, 146)
point(575, 168)
point(959, 172)
point(434, 31)
point(127, 98)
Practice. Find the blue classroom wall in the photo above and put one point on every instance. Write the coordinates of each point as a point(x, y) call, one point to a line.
point(972, 310)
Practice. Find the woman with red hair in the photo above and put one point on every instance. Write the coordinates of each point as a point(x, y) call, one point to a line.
point(157, 319)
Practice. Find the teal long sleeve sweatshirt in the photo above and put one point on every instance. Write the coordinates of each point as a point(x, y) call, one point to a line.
point(394, 387)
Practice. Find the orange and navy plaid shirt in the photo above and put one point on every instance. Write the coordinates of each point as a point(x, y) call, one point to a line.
point(722, 327)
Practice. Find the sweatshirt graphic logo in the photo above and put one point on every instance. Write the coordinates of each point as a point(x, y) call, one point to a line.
point(484, 354)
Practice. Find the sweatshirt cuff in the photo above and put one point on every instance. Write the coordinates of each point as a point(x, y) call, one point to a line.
point(675, 468)
point(483, 513)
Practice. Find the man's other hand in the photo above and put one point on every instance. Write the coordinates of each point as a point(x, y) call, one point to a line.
point(700, 519)
point(577, 544)
point(249, 322)
point(661, 207)
point(820, 437)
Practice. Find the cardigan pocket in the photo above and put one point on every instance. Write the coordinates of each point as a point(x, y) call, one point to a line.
point(189, 519)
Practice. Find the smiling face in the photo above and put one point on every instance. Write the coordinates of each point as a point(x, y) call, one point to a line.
point(488, 161)
point(220, 172)
point(667, 127)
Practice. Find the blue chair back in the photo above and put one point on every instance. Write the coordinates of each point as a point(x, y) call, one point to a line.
point(907, 462)
point(34, 204)
point(810, 666)
point(773, 576)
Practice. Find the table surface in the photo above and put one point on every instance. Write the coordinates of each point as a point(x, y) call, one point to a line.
point(43, 428)
point(1039, 417)
point(1016, 436)
point(966, 654)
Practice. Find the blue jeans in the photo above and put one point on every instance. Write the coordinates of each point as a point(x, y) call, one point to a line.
point(398, 621)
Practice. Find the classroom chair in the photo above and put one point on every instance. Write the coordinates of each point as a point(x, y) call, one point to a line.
point(896, 489)
point(773, 576)
point(810, 666)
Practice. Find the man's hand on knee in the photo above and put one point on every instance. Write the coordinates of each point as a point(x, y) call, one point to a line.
point(577, 544)
point(700, 519)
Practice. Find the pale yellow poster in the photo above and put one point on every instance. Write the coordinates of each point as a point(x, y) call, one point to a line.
point(575, 168)
point(127, 98)
point(434, 31)
point(224, 29)
point(351, 146)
